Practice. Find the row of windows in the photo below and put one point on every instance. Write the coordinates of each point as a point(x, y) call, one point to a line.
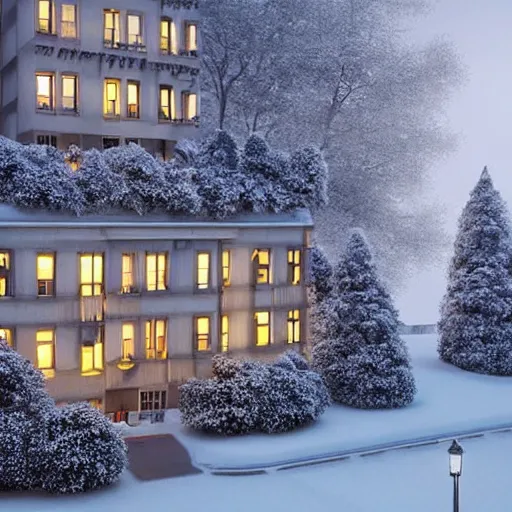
point(155, 337)
point(124, 32)
point(91, 271)
point(65, 97)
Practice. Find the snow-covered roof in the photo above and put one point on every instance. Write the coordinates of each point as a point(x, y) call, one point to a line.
point(11, 216)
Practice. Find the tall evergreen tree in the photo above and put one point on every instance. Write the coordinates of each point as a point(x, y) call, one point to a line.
point(362, 358)
point(476, 313)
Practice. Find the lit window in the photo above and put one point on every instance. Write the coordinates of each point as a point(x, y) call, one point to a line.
point(45, 275)
point(112, 106)
point(45, 340)
point(189, 106)
point(46, 17)
point(294, 267)
point(91, 274)
point(156, 271)
point(92, 356)
point(45, 91)
point(5, 274)
point(133, 99)
point(203, 333)
point(135, 31)
point(156, 339)
point(111, 28)
point(261, 262)
point(153, 400)
point(127, 281)
point(224, 335)
point(203, 271)
point(191, 37)
point(167, 105)
point(294, 326)
point(128, 348)
point(68, 21)
point(226, 268)
point(6, 335)
point(96, 403)
point(168, 37)
point(69, 93)
point(262, 319)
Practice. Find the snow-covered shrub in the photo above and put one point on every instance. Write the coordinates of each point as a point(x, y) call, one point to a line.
point(40, 445)
point(245, 397)
point(475, 329)
point(182, 197)
point(186, 152)
point(84, 451)
point(218, 150)
point(361, 357)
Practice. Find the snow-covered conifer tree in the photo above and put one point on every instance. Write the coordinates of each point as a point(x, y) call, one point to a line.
point(219, 150)
point(475, 329)
point(362, 358)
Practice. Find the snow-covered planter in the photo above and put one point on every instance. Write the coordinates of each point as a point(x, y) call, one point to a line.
point(41, 447)
point(244, 397)
point(361, 356)
point(475, 330)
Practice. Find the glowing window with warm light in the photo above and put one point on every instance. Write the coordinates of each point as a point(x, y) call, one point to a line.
point(128, 336)
point(167, 109)
point(133, 100)
point(91, 274)
point(45, 275)
point(293, 326)
point(168, 37)
point(45, 90)
point(112, 101)
point(190, 37)
point(111, 24)
point(262, 321)
point(45, 340)
point(189, 105)
point(69, 93)
point(224, 333)
point(134, 24)
point(5, 274)
point(127, 275)
point(46, 16)
point(68, 21)
point(203, 270)
point(261, 262)
point(294, 267)
point(203, 333)
point(156, 271)
point(156, 339)
point(7, 336)
point(92, 357)
point(226, 267)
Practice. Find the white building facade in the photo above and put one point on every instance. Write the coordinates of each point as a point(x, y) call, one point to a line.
point(99, 73)
point(120, 310)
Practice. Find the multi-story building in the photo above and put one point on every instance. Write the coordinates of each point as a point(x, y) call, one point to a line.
point(99, 73)
point(121, 309)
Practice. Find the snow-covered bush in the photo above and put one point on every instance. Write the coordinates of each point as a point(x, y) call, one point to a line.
point(84, 451)
point(475, 329)
point(186, 152)
point(361, 357)
point(245, 397)
point(218, 150)
point(182, 197)
point(42, 447)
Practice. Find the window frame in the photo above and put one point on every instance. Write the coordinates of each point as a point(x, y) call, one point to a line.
point(152, 346)
point(125, 354)
point(97, 367)
point(74, 23)
point(51, 97)
point(293, 326)
point(185, 106)
point(258, 267)
point(115, 33)
point(171, 99)
point(135, 83)
point(128, 287)
point(191, 51)
point(52, 28)
point(138, 45)
point(93, 284)
point(162, 395)
point(117, 102)
point(293, 266)
point(170, 49)
point(48, 372)
point(51, 139)
point(203, 287)
point(226, 268)
point(257, 325)
point(75, 78)
point(224, 333)
point(48, 283)
point(110, 139)
point(10, 337)
point(7, 273)
point(157, 271)
point(198, 337)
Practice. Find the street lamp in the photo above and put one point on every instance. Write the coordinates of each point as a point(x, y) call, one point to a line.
point(455, 452)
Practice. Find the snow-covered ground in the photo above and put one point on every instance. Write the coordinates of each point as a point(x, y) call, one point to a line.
point(448, 400)
point(414, 479)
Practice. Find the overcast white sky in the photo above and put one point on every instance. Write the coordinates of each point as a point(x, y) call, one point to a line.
point(481, 112)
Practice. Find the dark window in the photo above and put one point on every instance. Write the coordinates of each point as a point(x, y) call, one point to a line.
point(110, 142)
point(47, 140)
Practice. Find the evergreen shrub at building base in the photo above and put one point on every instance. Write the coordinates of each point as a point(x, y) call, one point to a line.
point(250, 396)
point(68, 450)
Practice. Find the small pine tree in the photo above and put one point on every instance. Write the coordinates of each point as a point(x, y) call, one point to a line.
point(362, 358)
point(475, 329)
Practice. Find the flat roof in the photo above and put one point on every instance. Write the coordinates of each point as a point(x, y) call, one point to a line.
point(12, 217)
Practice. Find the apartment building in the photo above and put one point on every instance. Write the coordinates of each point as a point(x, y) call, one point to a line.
point(120, 309)
point(99, 73)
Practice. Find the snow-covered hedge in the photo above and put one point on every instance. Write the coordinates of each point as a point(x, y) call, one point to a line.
point(244, 397)
point(67, 450)
point(214, 179)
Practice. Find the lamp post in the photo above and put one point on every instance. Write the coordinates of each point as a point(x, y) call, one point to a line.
point(455, 451)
